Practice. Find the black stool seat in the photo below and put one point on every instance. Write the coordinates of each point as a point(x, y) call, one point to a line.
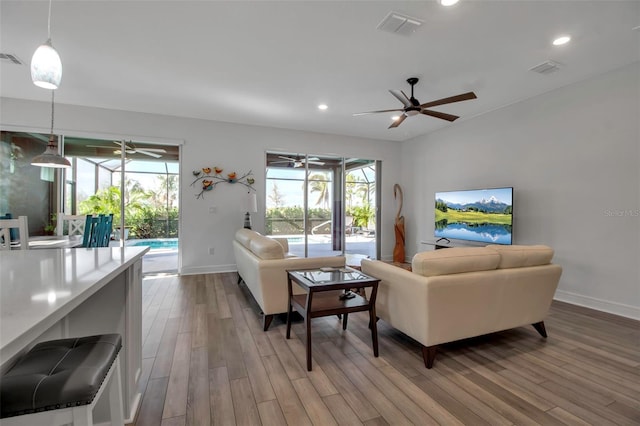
point(58, 374)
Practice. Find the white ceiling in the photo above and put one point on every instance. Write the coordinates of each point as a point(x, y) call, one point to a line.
point(271, 63)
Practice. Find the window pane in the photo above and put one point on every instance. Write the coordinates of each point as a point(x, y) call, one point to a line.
point(86, 184)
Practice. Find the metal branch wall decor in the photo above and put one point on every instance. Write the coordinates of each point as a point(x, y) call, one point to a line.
point(209, 177)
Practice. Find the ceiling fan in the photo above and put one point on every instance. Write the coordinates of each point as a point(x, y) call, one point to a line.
point(413, 107)
point(130, 148)
point(298, 162)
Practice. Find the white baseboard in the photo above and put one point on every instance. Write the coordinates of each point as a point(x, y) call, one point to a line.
point(615, 308)
point(209, 269)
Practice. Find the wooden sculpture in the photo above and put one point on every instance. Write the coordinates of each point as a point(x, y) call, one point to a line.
point(398, 250)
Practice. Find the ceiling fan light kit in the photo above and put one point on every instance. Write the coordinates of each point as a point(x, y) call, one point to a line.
point(413, 107)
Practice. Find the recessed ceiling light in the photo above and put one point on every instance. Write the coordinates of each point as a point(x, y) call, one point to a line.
point(561, 40)
point(322, 107)
point(448, 2)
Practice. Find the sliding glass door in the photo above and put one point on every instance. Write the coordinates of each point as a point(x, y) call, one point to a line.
point(324, 205)
point(361, 207)
point(139, 183)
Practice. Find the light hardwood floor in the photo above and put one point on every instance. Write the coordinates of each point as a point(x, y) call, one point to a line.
point(207, 361)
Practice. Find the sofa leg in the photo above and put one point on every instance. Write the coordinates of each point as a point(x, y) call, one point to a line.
point(266, 321)
point(539, 326)
point(239, 279)
point(429, 355)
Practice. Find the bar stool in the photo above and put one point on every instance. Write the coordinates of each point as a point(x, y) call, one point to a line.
point(60, 381)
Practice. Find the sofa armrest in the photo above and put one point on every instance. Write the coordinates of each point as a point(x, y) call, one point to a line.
point(271, 289)
point(402, 297)
point(283, 242)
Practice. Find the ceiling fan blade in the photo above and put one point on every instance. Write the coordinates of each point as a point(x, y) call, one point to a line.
point(286, 158)
point(375, 112)
point(312, 160)
point(145, 152)
point(441, 115)
point(152, 150)
point(398, 122)
point(399, 95)
point(463, 97)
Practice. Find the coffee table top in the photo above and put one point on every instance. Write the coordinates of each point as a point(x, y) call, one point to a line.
point(330, 276)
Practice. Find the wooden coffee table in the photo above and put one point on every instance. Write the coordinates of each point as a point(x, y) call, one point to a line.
point(322, 299)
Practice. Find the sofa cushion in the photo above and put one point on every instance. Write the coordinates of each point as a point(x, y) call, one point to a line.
point(454, 261)
point(266, 248)
point(518, 256)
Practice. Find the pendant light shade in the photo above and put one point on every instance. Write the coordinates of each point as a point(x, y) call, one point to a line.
point(46, 67)
point(50, 156)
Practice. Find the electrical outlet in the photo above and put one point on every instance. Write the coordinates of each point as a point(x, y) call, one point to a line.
point(212, 250)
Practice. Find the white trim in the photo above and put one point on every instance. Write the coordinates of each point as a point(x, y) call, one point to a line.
point(209, 269)
point(615, 308)
point(135, 404)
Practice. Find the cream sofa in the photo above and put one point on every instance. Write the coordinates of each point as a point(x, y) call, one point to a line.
point(263, 263)
point(457, 293)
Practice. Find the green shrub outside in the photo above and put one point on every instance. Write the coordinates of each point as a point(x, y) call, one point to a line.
point(143, 219)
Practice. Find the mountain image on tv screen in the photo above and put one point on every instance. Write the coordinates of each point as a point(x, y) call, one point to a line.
point(484, 215)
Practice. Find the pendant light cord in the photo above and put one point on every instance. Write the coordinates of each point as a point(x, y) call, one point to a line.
point(52, 94)
point(49, 22)
point(52, 110)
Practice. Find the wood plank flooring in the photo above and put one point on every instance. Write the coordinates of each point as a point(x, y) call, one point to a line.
point(207, 361)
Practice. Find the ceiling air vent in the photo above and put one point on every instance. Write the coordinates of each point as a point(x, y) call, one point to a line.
point(398, 23)
point(546, 67)
point(8, 57)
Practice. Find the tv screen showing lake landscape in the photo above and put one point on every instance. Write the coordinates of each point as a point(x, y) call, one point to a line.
point(484, 215)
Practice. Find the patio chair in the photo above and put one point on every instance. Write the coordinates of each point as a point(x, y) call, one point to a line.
point(7, 229)
point(75, 224)
point(97, 230)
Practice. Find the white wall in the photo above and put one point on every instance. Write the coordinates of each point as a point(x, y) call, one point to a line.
point(207, 143)
point(573, 158)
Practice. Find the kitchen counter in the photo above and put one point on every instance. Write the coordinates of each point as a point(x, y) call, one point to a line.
point(58, 293)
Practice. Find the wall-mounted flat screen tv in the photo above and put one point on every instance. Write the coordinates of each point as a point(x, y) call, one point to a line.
point(484, 215)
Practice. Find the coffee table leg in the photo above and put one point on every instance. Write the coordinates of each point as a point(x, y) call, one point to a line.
point(374, 330)
point(307, 321)
point(344, 321)
point(289, 322)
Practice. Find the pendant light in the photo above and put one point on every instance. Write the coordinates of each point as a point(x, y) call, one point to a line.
point(46, 66)
point(50, 156)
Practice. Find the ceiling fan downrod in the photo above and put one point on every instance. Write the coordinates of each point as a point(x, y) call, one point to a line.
point(413, 81)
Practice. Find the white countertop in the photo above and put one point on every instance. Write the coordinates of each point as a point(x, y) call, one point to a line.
point(39, 287)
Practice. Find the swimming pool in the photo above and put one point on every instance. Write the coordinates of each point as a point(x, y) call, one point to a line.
point(156, 243)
